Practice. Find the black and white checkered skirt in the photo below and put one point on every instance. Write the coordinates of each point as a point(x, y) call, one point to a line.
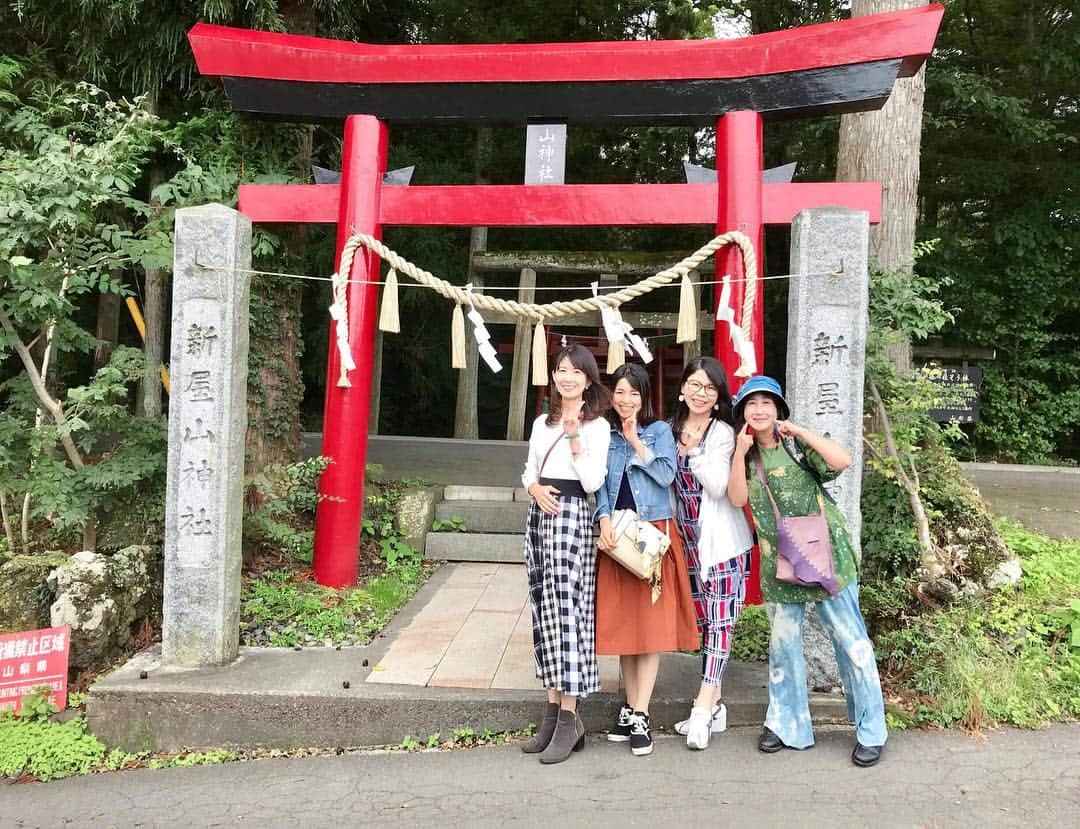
point(560, 556)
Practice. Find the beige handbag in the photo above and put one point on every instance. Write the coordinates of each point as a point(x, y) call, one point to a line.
point(639, 547)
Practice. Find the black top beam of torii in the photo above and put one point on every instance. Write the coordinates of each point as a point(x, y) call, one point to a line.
point(830, 68)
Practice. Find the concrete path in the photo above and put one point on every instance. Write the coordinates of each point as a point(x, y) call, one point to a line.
point(1043, 498)
point(927, 779)
point(474, 632)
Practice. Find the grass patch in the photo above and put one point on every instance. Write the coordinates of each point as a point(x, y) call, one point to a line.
point(36, 747)
point(1001, 657)
point(750, 640)
point(284, 608)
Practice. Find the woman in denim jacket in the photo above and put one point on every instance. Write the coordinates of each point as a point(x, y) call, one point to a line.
point(640, 469)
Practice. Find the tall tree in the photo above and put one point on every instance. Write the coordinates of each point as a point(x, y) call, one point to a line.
point(884, 146)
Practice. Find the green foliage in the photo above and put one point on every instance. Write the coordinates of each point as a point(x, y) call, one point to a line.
point(70, 160)
point(194, 758)
point(122, 484)
point(285, 496)
point(290, 609)
point(47, 750)
point(410, 743)
point(999, 186)
point(454, 524)
point(750, 641)
point(997, 657)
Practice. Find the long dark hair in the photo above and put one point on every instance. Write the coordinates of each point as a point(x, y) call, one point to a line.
point(596, 398)
point(714, 370)
point(638, 378)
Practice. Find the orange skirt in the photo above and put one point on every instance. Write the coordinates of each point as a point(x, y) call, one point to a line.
point(627, 621)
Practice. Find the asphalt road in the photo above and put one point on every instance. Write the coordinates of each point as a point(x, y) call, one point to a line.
point(1043, 498)
point(927, 779)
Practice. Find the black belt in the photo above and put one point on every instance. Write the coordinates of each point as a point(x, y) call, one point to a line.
point(568, 487)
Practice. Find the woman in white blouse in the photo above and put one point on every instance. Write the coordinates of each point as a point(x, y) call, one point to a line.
point(567, 460)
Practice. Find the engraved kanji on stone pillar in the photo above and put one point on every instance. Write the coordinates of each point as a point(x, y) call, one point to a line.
point(827, 326)
point(207, 423)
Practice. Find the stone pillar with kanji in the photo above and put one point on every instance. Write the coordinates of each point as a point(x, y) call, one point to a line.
point(207, 424)
point(827, 327)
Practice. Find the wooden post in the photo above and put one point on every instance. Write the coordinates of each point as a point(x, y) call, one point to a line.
point(692, 350)
point(466, 417)
point(519, 377)
point(376, 386)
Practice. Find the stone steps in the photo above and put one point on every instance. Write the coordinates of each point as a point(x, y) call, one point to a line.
point(494, 521)
point(485, 516)
point(489, 547)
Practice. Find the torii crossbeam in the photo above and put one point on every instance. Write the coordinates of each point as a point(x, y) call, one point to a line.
point(735, 84)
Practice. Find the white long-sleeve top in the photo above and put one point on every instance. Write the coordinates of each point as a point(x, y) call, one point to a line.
point(723, 530)
point(590, 467)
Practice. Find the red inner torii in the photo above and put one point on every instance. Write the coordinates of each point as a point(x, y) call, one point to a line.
point(824, 69)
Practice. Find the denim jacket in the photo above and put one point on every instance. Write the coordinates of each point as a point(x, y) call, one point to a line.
point(650, 479)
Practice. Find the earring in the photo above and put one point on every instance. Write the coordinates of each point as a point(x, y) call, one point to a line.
point(716, 407)
point(681, 398)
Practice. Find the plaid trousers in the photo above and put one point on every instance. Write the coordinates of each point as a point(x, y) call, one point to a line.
point(717, 605)
point(560, 557)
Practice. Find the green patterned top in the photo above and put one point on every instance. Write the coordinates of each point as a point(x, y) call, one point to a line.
point(795, 491)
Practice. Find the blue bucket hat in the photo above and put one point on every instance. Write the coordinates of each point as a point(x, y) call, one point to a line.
point(759, 383)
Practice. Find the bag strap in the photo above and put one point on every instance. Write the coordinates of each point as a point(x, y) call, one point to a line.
point(547, 455)
point(759, 467)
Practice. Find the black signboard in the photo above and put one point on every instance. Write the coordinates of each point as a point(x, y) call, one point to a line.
point(961, 399)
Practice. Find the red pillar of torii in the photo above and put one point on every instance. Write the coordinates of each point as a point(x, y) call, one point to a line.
point(735, 84)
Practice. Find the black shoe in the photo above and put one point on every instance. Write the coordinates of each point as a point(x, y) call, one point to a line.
point(768, 742)
point(640, 734)
point(866, 756)
point(621, 732)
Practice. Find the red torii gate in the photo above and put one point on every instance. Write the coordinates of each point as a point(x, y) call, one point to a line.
point(830, 68)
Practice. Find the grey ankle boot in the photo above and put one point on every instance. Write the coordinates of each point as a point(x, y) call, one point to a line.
point(543, 734)
point(569, 736)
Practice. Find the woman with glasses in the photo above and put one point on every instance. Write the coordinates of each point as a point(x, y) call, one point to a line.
point(715, 534)
point(567, 460)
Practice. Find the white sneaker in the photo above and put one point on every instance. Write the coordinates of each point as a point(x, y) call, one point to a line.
point(719, 721)
point(698, 729)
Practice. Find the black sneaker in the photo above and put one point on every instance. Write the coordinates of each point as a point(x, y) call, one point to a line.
point(621, 732)
point(640, 734)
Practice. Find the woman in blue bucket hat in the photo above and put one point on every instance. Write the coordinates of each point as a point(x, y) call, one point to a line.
point(779, 468)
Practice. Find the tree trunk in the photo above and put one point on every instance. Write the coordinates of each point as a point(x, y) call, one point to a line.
point(108, 327)
point(275, 384)
point(154, 286)
point(884, 146)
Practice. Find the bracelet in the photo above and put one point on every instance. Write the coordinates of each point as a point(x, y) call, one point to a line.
point(574, 436)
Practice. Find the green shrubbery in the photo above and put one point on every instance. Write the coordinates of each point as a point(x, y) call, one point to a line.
point(1001, 656)
point(283, 607)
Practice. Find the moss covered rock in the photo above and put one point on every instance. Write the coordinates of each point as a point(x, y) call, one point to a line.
point(24, 592)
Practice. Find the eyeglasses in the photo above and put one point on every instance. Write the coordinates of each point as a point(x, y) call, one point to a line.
point(708, 389)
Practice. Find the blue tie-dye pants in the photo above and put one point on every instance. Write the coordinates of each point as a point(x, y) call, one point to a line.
point(789, 708)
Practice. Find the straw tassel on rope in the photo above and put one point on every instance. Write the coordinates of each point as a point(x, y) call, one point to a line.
point(687, 331)
point(457, 338)
point(616, 350)
point(539, 355)
point(389, 320)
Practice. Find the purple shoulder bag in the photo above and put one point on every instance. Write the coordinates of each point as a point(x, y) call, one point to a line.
point(803, 547)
